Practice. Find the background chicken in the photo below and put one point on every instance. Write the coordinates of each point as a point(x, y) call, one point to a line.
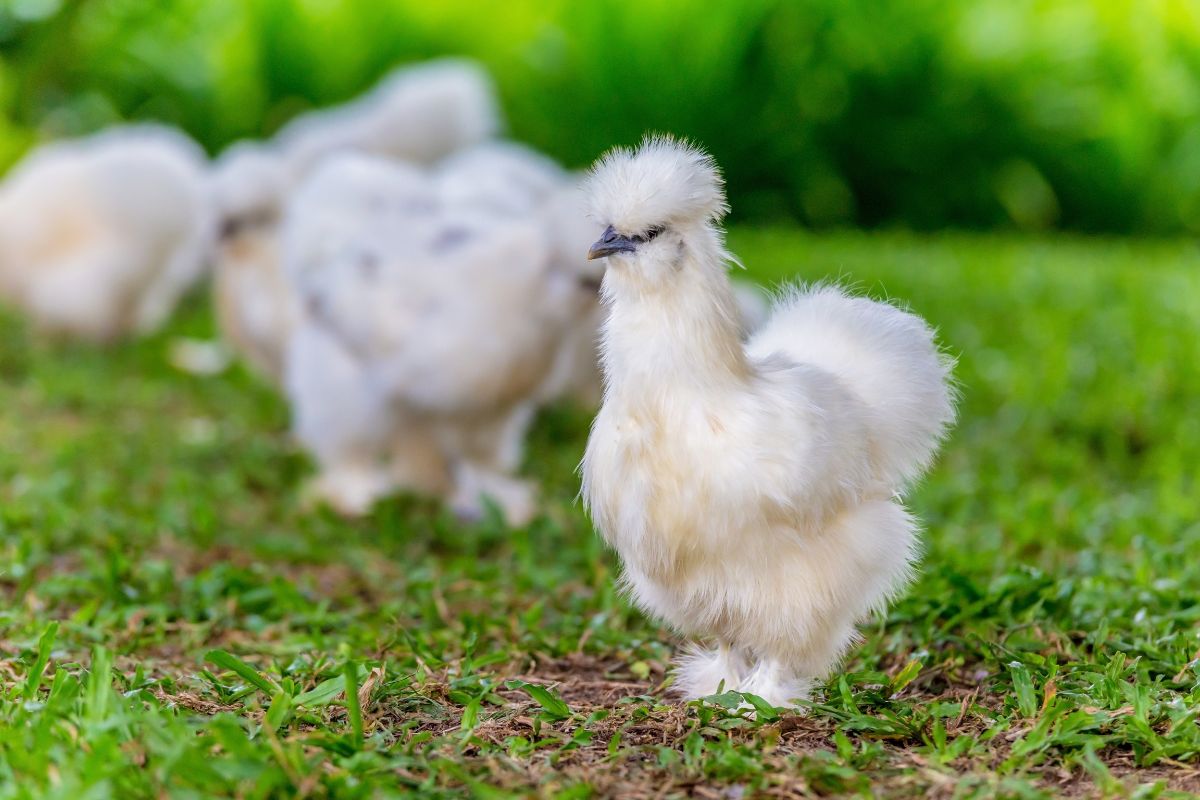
point(101, 236)
point(254, 304)
point(433, 304)
point(751, 491)
point(418, 114)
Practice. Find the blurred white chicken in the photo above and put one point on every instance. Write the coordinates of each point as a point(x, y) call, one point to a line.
point(99, 237)
point(432, 309)
point(752, 491)
point(418, 113)
point(254, 303)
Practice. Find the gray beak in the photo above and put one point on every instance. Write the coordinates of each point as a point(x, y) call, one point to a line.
point(611, 242)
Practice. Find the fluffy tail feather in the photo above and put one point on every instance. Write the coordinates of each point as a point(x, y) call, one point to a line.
point(886, 356)
point(419, 113)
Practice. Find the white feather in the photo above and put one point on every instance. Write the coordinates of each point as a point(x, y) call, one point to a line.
point(418, 113)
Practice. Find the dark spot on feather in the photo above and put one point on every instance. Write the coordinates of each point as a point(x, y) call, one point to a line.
point(230, 227)
point(450, 238)
point(315, 305)
point(680, 251)
point(369, 264)
point(237, 224)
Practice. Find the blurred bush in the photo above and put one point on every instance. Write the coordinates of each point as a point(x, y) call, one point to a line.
point(1082, 114)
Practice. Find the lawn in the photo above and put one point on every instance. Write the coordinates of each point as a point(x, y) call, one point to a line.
point(174, 624)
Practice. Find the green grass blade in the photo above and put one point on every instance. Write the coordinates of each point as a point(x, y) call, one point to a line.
point(280, 709)
point(553, 705)
point(45, 644)
point(99, 684)
point(243, 670)
point(322, 694)
point(353, 710)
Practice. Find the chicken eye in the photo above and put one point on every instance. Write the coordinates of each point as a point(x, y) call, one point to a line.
point(648, 235)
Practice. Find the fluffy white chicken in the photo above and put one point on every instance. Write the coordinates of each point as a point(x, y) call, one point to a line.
point(99, 237)
point(255, 305)
point(418, 113)
point(431, 315)
point(752, 491)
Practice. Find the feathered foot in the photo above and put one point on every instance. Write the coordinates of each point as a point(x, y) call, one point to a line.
point(776, 683)
point(516, 498)
point(701, 672)
point(350, 491)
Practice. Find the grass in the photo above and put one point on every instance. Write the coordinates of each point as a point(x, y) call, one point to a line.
point(173, 624)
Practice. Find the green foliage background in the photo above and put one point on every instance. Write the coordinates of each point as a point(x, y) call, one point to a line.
point(1083, 114)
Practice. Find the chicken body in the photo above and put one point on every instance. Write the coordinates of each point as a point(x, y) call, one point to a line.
point(429, 320)
point(99, 237)
point(418, 114)
point(751, 490)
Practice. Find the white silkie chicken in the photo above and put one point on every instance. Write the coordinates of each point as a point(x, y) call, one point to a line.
point(255, 305)
point(99, 237)
point(752, 491)
point(417, 113)
point(431, 316)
